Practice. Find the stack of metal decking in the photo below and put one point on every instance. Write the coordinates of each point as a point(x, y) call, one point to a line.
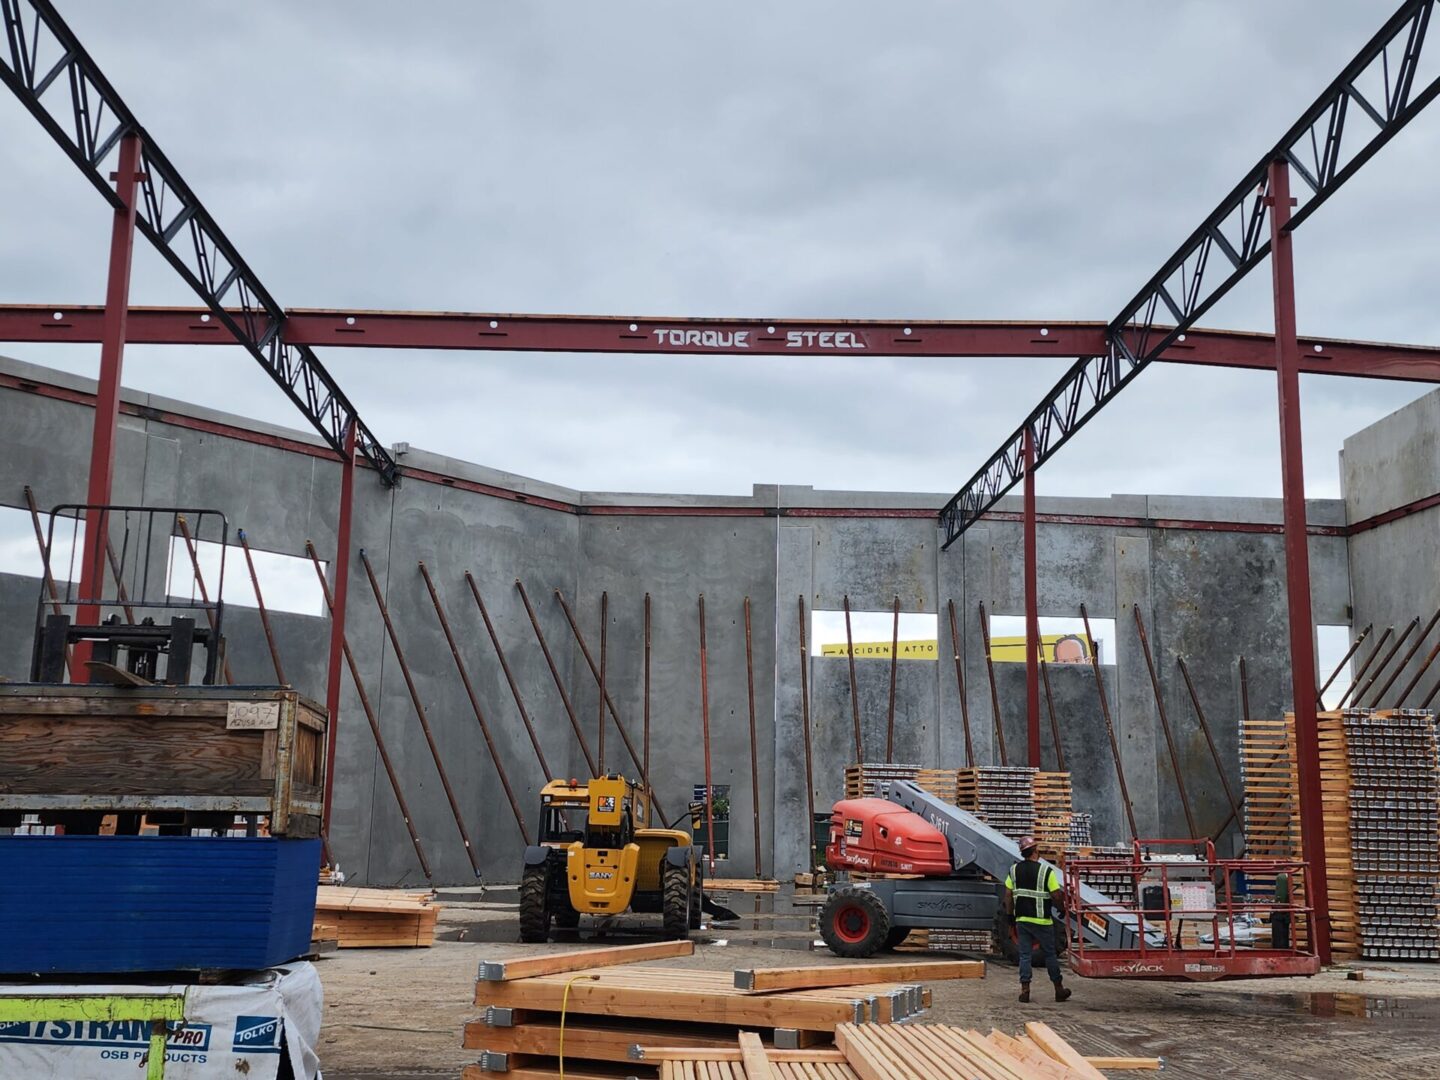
point(1002, 795)
point(1395, 832)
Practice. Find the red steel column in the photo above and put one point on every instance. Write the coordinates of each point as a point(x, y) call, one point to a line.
point(1297, 557)
point(337, 620)
point(1032, 611)
point(107, 392)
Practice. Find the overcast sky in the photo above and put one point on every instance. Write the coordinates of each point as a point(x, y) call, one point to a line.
point(828, 159)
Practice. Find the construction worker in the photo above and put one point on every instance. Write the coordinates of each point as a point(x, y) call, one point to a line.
point(1030, 888)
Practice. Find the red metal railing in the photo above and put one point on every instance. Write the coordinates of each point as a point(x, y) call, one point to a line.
point(1249, 934)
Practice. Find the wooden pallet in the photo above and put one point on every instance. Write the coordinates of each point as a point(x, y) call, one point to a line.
point(931, 1051)
point(375, 918)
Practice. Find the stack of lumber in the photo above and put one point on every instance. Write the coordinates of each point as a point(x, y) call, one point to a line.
point(614, 1008)
point(911, 1052)
point(1053, 811)
point(1003, 796)
point(374, 918)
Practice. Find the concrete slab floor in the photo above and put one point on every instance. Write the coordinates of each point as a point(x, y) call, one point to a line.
point(397, 1014)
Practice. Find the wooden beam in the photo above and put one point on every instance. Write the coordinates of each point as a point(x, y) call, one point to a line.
point(765, 980)
point(1045, 1038)
point(582, 960)
point(1126, 1062)
point(732, 1053)
point(753, 1057)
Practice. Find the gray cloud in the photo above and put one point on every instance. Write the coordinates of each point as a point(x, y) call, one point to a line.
point(920, 160)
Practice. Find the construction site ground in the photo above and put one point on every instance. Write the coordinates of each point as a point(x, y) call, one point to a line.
point(397, 1014)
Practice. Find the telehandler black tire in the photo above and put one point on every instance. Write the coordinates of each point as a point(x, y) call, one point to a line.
point(534, 915)
point(675, 900)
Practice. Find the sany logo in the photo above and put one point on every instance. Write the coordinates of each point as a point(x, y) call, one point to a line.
point(257, 1034)
point(740, 339)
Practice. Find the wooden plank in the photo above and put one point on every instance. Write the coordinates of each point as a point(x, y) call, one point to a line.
point(868, 1060)
point(768, 980)
point(1126, 1062)
point(1040, 1064)
point(582, 959)
point(733, 1053)
point(752, 1056)
point(715, 885)
point(1045, 1038)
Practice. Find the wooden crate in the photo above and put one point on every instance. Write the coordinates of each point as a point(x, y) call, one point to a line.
point(194, 749)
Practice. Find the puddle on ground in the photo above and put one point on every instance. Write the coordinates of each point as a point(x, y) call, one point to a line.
point(1329, 1004)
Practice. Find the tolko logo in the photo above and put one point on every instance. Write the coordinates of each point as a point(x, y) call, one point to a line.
point(257, 1035)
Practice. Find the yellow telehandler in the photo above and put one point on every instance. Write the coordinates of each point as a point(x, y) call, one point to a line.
point(597, 856)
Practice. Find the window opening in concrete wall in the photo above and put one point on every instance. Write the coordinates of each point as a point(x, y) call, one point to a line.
point(1331, 643)
point(873, 631)
point(287, 582)
point(1062, 639)
point(20, 554)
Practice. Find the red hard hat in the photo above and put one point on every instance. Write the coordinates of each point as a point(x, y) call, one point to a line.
point(1026, 843)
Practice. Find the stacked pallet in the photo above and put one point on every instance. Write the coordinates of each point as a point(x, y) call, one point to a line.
point(1395, 832)
point(932, 1051)
point(615, 1009)
point(1380, 796)
point(862, 780)
point(1003, 796)
point(1115, 879)
point(375, 918)
point(1053, 812)
point(948, 941)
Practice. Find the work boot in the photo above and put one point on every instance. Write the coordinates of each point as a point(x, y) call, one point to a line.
point(1061, 992)
point(1025, 992)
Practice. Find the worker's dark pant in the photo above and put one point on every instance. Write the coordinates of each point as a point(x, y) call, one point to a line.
point(1045, 935)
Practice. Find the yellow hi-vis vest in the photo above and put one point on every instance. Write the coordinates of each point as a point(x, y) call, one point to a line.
point(1031, 884)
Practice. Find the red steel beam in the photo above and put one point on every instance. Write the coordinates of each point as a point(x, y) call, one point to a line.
point(338, 645)
point(112, 337)
point(733, 337)
point(1032, 610)
point(1297, 558)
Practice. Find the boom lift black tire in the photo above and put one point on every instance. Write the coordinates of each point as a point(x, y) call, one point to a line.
point(534, 915)
point(854, 923)
point(675, 900)
point(567, 918)
point(897, 936)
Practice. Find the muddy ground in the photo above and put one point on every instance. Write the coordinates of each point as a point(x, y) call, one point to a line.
point(397, 1014)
